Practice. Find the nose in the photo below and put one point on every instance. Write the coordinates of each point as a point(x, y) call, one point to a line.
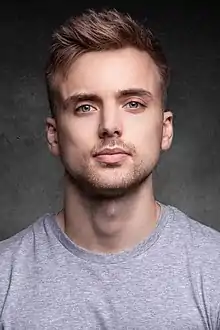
point(110, 124)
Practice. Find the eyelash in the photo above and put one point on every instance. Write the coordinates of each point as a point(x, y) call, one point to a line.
point(77, 110)
point(138, 103)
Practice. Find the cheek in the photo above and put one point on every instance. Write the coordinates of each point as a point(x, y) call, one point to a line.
point(145, 133)
point(75, 138)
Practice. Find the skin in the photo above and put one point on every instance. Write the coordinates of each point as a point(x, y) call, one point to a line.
point(110, 99)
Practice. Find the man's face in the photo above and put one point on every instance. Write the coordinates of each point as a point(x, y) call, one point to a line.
point(111, 127)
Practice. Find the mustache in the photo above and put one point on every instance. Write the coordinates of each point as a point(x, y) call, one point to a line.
point(113, 144)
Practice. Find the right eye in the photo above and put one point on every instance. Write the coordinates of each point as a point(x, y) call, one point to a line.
point(84, 108)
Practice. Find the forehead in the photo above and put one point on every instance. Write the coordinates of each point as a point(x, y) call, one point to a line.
point(104, 73)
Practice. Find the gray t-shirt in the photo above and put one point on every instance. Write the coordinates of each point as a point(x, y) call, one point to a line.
point(169, 281)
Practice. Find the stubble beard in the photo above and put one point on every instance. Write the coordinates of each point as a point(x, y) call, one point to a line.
point(109, 182)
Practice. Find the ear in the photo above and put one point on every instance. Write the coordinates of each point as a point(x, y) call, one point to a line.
point(167, 134)
point(52, 136)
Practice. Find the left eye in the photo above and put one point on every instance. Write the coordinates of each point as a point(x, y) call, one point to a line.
point(134, 105)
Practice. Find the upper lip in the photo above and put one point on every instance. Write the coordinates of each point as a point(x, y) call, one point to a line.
point(111, 151)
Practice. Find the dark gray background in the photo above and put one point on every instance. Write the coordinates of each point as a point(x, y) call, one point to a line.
point(188, 175)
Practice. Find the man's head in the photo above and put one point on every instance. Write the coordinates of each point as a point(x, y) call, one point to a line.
point(107, 79)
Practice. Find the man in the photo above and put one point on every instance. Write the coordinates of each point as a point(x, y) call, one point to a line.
point(113, 257)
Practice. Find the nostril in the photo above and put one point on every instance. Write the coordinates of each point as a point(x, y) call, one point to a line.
point(103, 132)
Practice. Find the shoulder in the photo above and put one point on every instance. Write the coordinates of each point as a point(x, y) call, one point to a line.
point(196, 249)
point(199, 235)
point(200, 248)
point(198, 242)
point(9, 247)
point(9, 252)
point(25, 237)
point(16, 254)
point(18, 247)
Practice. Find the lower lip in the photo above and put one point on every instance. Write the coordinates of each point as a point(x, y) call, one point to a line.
point(111, 159)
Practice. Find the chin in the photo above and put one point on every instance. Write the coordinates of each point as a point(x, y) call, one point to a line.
point(109, 182)
point(109, 192)
point(116, 188)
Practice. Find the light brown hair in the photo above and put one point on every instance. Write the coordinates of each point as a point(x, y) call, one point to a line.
point(99, 31)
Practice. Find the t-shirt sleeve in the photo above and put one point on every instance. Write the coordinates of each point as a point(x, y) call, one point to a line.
point(6, 267)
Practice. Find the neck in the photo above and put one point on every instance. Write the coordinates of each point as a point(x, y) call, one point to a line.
point(109, 225)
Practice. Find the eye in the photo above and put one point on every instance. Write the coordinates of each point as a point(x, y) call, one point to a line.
point(134, 105)
point(84, 108)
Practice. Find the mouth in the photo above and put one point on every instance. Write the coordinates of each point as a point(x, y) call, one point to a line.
point(111, 155)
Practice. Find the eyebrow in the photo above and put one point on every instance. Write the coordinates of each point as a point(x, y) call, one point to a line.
point(80, 97)
point(135, 92)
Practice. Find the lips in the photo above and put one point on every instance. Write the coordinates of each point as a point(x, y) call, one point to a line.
point(111, 151)
point(111, 155)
